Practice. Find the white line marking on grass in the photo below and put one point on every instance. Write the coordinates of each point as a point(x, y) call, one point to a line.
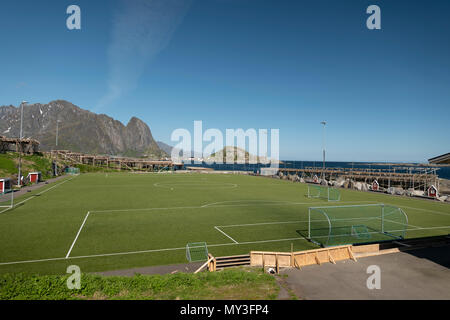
point(30, 261)
point(144, 209)
point(420, 209)
point(73, 243)
point(269, 203)
point(304, 221)
point(215, 206)
point(38, 194)
point(253, 242)
point(182, 248)
point(263, 223)
point(403, 224)
point(145, 251)
point(217, 228)
point(258, 201)
point(196, 184)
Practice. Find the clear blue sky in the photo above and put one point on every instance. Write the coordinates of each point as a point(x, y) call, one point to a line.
point(245, 64)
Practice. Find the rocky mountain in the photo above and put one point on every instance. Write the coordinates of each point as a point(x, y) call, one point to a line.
point(79, 130)
point(164, 147)
point(230, 154)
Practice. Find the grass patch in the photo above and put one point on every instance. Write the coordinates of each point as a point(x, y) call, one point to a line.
point(30, 163)
point(241, 283)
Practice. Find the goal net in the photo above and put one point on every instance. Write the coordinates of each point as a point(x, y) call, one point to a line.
point(323, 192)
point(196, 251)
point(6, 201)
point(72, 170)
point(339, 225)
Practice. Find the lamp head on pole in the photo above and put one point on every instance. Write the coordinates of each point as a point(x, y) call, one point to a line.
point(324, 122)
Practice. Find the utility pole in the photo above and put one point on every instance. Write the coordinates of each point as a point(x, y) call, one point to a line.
point(57, 125)
point(19, 180)
point(323, 148)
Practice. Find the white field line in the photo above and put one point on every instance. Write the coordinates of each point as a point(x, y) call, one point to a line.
point(217, 228)
point(349, 206)
point(256, 201)
point(304, 221)
point(420, 209)
point(76, 237)
point(182, 248)
point(215, 206)
point(196, 184)
point(404, 224)
point(271, 203)
point(144, 209)
point(38, 194)
point(145, 251)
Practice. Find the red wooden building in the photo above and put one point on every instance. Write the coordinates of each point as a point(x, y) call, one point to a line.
point(432, 191)
point(375, 185)
point(34, 177)
point(5, 185)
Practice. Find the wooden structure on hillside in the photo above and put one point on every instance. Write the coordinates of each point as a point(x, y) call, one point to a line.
point(415, 177)
point(442, 159)
point(28, 146)
point(112, 162)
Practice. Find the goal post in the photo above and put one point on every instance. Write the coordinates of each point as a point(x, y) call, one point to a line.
point(6, 201)
point(323, 192)
point(196, 251)
point(351, 224)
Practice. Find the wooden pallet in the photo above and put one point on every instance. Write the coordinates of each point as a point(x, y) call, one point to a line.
point(301, 258)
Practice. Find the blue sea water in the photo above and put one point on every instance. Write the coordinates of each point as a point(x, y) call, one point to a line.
point(442, 172)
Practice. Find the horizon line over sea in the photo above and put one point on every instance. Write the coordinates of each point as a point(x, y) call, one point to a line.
point(406, 167)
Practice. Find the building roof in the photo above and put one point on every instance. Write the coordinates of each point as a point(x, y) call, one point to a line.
point(442, 159)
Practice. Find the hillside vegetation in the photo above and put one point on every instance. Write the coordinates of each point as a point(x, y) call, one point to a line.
point(30, 163)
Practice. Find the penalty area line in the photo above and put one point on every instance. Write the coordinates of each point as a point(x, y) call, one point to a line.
point(184, 248)
point(144, 251)
point(226, 235)
point(76, 237)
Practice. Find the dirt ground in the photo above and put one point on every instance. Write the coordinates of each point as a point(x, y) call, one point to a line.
point(417, 274)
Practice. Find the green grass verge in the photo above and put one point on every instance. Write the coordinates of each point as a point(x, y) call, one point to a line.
point(30, 163)
point(244, 283)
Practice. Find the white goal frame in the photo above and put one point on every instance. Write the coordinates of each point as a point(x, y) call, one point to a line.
point(328, 192)
point(11, 202)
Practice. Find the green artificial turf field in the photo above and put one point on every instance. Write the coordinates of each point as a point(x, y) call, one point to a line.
point(108, 221)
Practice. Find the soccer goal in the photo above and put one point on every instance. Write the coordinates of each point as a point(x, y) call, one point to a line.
point(72, 171)
point(323, 192)
point(6, 201)
point(339, 225)
point(196, 251)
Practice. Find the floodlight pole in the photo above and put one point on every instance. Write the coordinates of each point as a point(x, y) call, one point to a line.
point(19, 180)
point(323, 148)
point(57, 122)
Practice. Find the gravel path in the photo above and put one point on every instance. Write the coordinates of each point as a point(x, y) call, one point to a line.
point(416, 274)
point(39, 185)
